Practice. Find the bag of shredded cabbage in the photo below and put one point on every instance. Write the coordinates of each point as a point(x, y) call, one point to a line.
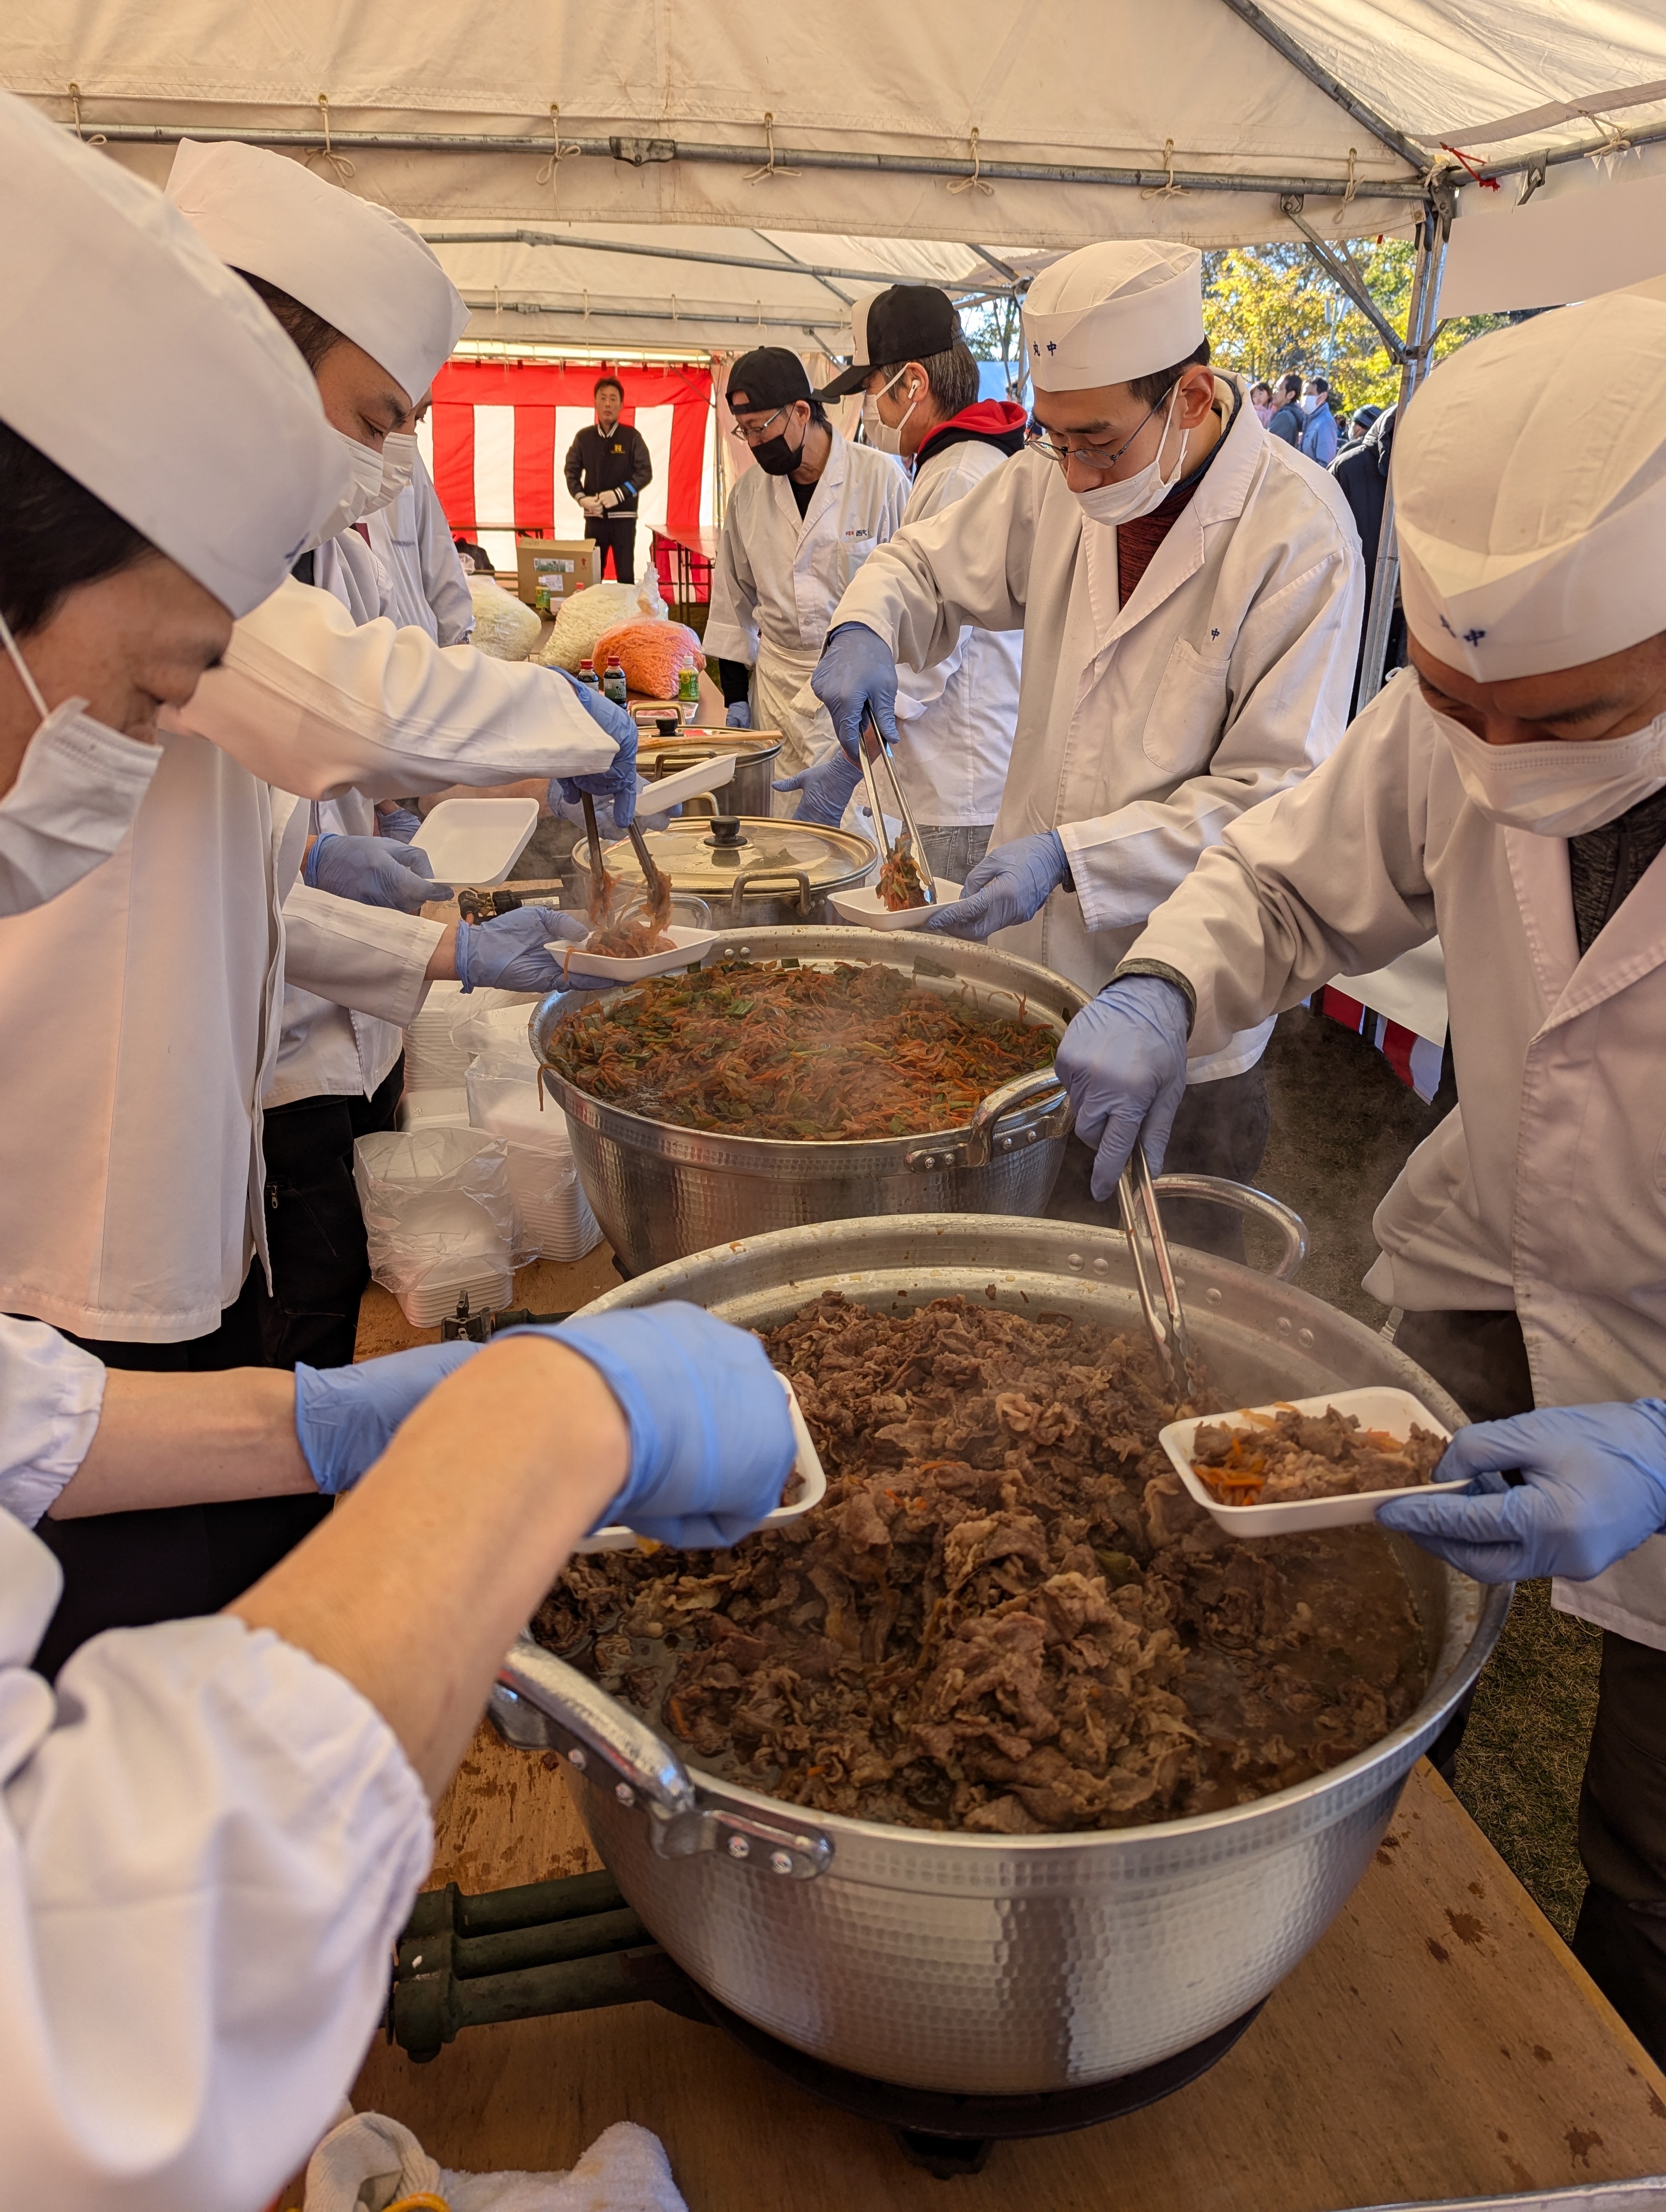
point(589, 614)
point(504, 626)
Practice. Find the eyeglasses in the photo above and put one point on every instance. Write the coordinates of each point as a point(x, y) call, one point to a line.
point(1090, 455)
point(752, 433)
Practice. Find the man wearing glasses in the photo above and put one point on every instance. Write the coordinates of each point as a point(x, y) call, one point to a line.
point(797, 529)
point(1189, 592)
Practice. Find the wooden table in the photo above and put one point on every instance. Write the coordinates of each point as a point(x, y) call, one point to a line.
point(1441, 2041)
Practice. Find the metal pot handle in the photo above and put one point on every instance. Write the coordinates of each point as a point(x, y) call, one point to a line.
point(540, 1703)
point(1244, 1197)
point(769, 876)
point(976, 1145)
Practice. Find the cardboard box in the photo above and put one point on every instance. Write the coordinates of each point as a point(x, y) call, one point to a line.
point(563, 566)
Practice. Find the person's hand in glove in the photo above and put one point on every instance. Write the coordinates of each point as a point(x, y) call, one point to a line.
point(1593, 1488)
point(1006, 886)
point(345, 1416)
point(857, 669)
point(607, 822)
point(617, 781)
point(510, 952)
point(1123, 1061)
point(739, 716)
point(711, 1439)
point(400, 823)
point(825, 787)
point(374, 870)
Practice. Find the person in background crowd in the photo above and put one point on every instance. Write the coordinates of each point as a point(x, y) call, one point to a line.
point(476, 560)
point(1509, 793)
point(1287, 421)
point(1359, 423)
point(1318, 438)
point(920, 386)
point(1260, 399)
point(1362, 476)
point(608, 469)
point(797, 528)
point(1189, 600)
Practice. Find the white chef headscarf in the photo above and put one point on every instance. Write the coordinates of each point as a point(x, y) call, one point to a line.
point(350, 261)
point(1109, 312)
point(1530, 484)
point(132, 356)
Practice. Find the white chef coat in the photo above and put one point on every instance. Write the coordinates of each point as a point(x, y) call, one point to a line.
point(351, 570)
point(140, 1007)
point(956, 718)
point(428, 587)
point(1143, 731)
point(777, 580)
point(209, 1844)
point(1546, 1189)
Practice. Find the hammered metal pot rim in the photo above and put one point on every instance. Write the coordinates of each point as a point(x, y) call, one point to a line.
point(1339, 1786)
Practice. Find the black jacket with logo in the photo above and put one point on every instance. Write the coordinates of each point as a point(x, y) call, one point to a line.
point(612, 460)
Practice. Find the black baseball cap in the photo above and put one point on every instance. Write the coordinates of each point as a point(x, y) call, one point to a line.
point(768, 376)
point(909, 322)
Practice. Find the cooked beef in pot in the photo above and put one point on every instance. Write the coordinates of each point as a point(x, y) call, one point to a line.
point(1007, 1616)
point(1290, 1456)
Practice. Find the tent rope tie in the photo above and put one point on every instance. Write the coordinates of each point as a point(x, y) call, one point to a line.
point(1614, 141)
point(497, 304)
point(975, 182)
point(98, 138)
point(339, 162)
point(559, 150)
point(771, 167)
point(1351, 185)
point(1169, 189)
point(1472, 169)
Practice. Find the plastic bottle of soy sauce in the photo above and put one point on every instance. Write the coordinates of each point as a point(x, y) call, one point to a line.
point(613, 682)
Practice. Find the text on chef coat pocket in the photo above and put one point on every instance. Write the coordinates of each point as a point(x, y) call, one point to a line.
point(858, 544)
point(1187, 710)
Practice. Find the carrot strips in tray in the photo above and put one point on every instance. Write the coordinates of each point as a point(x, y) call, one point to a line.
point(756, 1050)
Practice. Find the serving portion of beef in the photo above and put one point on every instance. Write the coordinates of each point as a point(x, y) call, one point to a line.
point(1275, 1459)
point(1007, 1616)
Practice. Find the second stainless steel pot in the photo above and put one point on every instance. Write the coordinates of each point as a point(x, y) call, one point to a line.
point(984, 1965)
point(750, 790)
point(661, 1191)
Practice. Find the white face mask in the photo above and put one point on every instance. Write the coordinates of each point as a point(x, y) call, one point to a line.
point(77, 793)
point(884, 437)
point(1139, 494)
point(399, 451)
point(1558, 787)
point(363, 495)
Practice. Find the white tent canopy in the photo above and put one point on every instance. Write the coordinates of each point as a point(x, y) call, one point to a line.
point(1037, 126)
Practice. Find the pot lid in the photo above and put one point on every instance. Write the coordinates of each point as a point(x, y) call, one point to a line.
point(696, 742)
point(706, 854)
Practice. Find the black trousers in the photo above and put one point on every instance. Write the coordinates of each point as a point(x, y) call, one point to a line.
point(127, 1570)
point(618, 533)
point(1620, 1936)
point(1220, 1130)
point(314, 1230)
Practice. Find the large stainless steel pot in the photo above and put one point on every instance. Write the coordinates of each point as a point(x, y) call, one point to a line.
point(750, 790)
point(988, 1964)
point(660, 1191)
point(753, 874)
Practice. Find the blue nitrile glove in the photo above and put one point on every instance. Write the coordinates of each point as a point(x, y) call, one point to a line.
point(345, 1416)
point(711, 1440)
point(1006, 886)
point(1122, 1059)
point(374, 870)
point(617, 781)
point(857, 669)
point(608, 824)
point(1594, 1487)
point(509, 952)
point(400, 823)
point(738, 717)
point(825, 787)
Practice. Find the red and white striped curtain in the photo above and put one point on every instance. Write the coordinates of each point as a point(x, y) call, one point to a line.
point(500, 432)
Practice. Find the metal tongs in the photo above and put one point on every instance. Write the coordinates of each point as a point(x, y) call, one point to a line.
point(1137, 1194)
point(876, 757)
point(638, 846)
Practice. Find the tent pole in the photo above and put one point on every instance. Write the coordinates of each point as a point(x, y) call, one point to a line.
point(1421, 324)
point(501, 235)
point(1316, 73)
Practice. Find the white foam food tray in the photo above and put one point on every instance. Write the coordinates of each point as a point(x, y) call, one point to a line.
point(810, 1475)
point(684, 950)
point(1380, 1407)
point(689, 783)
point(862, 906)
point(476, 840)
